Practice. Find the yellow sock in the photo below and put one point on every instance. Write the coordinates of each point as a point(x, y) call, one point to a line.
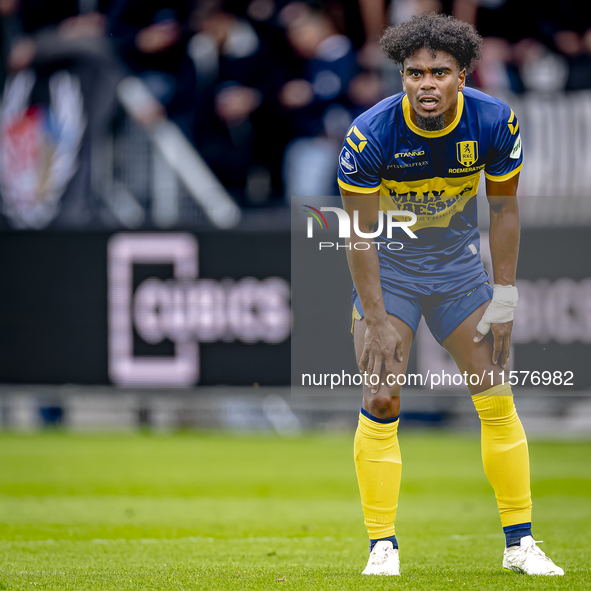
point(379, 466)
point(504, 453)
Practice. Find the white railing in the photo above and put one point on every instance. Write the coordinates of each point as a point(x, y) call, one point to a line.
point(555, 182)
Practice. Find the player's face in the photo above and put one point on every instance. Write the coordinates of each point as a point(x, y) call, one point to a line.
point(432, 82)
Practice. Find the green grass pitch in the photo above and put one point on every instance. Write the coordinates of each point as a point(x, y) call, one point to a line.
point(211, 511)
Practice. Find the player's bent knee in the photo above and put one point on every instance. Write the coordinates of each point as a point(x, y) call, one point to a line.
point(382, 407)
point(387, 388)
point(484, 377)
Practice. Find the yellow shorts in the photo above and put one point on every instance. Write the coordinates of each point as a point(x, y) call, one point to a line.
point(355, 316)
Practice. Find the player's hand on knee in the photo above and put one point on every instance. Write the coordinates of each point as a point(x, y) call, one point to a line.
point(382, 346)
point(502, 342)
point(499, 312)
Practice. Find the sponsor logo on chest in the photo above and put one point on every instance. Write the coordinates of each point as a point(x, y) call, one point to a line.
point(410, 155)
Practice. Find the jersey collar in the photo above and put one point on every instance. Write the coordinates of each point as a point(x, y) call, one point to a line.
point(439, 133)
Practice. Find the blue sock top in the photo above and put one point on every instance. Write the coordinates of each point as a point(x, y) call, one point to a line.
point(514, 533)
point(376, 420)
point(392, 539)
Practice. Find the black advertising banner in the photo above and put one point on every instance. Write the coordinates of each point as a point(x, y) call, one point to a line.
point(552, 327)
point(145, 309)
point(178, 309)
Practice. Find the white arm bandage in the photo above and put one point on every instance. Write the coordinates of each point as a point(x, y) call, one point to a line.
point(504, 301)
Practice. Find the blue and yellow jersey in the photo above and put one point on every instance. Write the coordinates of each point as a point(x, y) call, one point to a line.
point(434, 174)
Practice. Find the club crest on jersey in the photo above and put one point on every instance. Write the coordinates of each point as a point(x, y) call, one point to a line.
point(347, 161)
point(467, 153)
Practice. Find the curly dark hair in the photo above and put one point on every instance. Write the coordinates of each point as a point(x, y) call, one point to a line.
point(435, 32)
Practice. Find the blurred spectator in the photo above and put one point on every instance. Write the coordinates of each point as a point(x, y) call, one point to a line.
point(265, 89)
point(404, 10)
point(237, 75)
point(151, 38)
point(492, 73)
point(9, 32)
point(541, 70)
point(576, 49)
point(363, 22)
point(529, 45)
point(510, 19)
point(365, 90)
point(314, 99)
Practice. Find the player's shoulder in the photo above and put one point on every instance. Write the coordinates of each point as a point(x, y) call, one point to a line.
point(488, 109)
point(379, 119)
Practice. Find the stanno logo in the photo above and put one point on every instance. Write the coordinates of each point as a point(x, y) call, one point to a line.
point(409, 154)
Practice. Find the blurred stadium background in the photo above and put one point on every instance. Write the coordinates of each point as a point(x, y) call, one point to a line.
point(148, 158)
point(148, 155)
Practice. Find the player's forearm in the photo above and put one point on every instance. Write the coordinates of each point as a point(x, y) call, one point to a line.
point(365, 271)
point(504, 242)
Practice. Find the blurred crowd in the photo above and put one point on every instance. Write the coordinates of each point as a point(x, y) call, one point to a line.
point(264, 89)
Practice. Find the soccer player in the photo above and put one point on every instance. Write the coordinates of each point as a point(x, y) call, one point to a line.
point(422, 151)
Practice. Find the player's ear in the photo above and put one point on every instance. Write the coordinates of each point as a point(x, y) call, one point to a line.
point(402, 76)
point(462, 79)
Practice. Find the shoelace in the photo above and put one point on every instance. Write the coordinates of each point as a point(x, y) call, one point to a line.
point(537, 552)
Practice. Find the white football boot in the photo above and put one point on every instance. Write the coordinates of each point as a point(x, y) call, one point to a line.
point(528, 559)
point(383, 560)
